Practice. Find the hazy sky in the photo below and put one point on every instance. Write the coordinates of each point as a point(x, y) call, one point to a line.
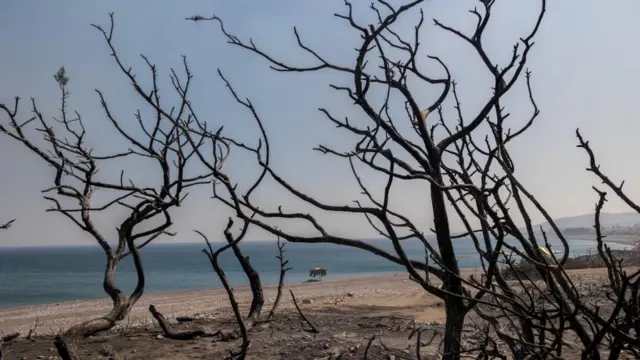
point(585, 66)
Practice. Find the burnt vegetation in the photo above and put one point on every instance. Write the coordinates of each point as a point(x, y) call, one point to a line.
point(80, 193)
point(525, 309)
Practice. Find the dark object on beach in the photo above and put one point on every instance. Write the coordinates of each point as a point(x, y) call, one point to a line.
point(168, 330)
point(318, 272)
point(10, 337)
point(7, 338)
point(184, 319)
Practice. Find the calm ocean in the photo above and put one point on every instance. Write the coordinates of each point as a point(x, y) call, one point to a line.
point(48, 275)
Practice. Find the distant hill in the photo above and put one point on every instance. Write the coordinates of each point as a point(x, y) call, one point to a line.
point(612, 223)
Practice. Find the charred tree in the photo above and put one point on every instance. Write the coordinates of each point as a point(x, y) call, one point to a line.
point(257, 299)
point(6, 338)
point(283, 271)
point(75, 181)
point(243, 325)
point(219, 146)
point(168, 330)
point(463, 161)
point(397, 149)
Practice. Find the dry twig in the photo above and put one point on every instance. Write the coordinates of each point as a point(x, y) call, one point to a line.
point(295, 302)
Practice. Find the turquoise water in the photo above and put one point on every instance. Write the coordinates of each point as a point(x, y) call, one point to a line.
point(49, 275)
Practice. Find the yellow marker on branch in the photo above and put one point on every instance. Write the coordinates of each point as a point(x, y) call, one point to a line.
point(544, 250)
point(423, 114)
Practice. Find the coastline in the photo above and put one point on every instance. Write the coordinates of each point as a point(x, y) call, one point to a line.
point(209, 302)
point(391, 291)
point(631, 240)
point(364, 288)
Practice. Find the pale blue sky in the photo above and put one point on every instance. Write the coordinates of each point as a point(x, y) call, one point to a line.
point(585, 64)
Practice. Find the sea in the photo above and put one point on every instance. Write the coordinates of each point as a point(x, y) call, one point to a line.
point(41, 275)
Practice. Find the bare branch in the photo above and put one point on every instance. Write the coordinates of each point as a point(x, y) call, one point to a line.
point(295, 302)
point(7, 224)
point(283, 271)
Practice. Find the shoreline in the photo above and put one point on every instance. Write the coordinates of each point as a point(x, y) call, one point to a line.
point(394, 292)
point(207, 302)
point(366, 288)
point(628, 240)
point(205, 290)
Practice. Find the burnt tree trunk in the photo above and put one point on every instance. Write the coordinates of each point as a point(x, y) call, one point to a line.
point(276, 302)
point(168, 330)
point(454, 305)
point(283, 271)
point(254, 282)
point(6, 338)
point(455, 314)
point(67, 342)
point(213, 258)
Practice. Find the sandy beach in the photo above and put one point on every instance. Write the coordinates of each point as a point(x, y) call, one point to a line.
point(392, 291)
point(348, 312)
point(362, 305)
point(213, 302)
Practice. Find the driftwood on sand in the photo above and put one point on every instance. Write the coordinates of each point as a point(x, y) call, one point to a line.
point(168, 330)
